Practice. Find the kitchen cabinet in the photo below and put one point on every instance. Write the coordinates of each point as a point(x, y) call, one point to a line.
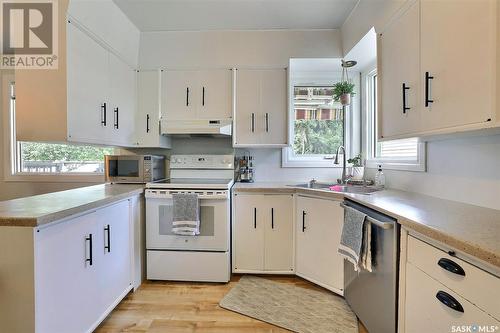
point(91, 99)
point(149, 99)
point(68, 275)
point(260, 108)
point(439, 289)
point(318, 230)
point(400, 76)
point(197, 94)
point(263, 233)
point(449, 81)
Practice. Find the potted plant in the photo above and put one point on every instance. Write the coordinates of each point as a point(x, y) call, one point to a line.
point(342, 92)
point(357, 169)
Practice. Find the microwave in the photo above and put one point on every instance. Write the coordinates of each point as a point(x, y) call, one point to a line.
point(135, 168)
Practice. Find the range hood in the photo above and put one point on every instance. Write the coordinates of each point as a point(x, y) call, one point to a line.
point(214, 127)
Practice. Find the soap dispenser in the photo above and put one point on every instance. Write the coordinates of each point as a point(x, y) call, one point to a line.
point(380, 177)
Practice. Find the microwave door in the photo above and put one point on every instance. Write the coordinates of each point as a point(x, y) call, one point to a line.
point(125, 170)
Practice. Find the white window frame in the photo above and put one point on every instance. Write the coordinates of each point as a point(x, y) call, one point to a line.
point(372, 161)
point(316, 79)
point(11, 149)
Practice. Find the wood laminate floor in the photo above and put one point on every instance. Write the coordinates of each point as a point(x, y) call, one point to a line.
point(178, 307)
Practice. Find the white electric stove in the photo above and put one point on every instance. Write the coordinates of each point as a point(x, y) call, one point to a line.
point(204, 257)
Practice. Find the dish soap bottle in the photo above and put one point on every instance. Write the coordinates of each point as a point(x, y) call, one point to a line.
point(380, 177)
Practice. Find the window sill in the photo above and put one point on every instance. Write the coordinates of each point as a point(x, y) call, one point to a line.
point(288, 162)
point(54, 178)
point(417, 166)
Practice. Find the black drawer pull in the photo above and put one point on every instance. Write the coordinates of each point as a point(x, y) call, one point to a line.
point(117, 119)
point(405, 108)
point(103, 114)
point(449, 301)
point(255, 218)
point(304, 220)
point(89, 239)
point(272, 218)
point(428, 78)
point(147, 123)
point(451, 266)
point(108, 233)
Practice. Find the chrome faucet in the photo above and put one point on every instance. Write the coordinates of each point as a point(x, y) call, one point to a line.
point(343, 180)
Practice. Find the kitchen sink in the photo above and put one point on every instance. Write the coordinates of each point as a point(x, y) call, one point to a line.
point(357, 189)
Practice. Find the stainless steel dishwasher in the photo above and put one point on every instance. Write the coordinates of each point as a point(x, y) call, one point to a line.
point(373, 296)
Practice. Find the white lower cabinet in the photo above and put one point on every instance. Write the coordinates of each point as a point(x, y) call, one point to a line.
point(263, 233)
point(82, 269)
point(429, 307)
point(443, 293)
point(319, 227)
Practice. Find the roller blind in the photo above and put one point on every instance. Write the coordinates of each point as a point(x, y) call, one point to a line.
point(398, 149)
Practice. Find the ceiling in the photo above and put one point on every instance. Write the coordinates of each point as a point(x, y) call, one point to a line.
point(195, 15)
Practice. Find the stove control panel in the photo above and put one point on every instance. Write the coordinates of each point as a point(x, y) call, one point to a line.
point(223, 162)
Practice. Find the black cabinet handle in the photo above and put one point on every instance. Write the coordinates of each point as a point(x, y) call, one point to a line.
point(187, 96)
point(147, 123)
point(428, 77)
point(255, 218)
point(449, 301)
point(267, 122)
point(89, 239)
point(272, 218)
point(253, 122)
point(108, 232)
point(103, 114)
point(451, 266)
point(405, 88)
point(304, 221)
point(117, 120)
point(203, 97)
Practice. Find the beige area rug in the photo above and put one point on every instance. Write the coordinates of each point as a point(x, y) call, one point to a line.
point(291, 307)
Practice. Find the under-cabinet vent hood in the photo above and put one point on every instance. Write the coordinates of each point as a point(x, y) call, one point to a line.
point(215, 127)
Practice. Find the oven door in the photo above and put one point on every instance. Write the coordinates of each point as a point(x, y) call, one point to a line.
point(214, 222)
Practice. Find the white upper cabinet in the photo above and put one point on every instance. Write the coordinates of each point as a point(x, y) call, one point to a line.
point(88, 86)
point(197, 94)
point(122, 99)
point(446, 57)
point(399, 75)
point(260, 108)
point(458, 52)
point(91, 97)
point(147, 124)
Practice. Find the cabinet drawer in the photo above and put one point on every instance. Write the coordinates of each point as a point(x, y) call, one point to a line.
point(424, 312)
point(475, 285)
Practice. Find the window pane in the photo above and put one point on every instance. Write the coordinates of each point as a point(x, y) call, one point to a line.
point(399, 149)
point(318, 122)
point(61, 158)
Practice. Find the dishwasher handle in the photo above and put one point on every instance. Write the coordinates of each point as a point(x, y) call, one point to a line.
point(380, 224)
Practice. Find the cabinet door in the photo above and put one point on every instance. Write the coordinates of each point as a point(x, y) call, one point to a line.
point(248, 232)
point(87, 88)
point(398, 65)
point(122, 80)
point(67, 295)
point(114, 252)
point(319, 226)
point(273, 107)
point(147, 127)
point(424, 312)
point(279, 233)
point(182, 95)
point(247, 108)
point(215, 94)
point(458, 51)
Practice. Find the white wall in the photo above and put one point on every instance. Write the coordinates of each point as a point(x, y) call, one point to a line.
point(465, 169)
point(227, 49)
point(367, 14)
